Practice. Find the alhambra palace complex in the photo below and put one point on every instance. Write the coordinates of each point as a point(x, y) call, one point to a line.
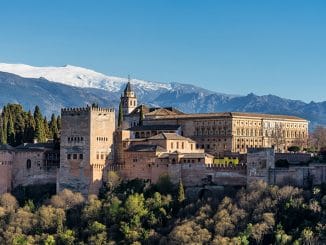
point(220, 149)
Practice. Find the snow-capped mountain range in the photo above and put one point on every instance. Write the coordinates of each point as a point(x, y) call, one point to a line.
point(55, 87)
point(79, 77)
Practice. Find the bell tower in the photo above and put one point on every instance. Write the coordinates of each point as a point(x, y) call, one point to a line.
point(128, 99)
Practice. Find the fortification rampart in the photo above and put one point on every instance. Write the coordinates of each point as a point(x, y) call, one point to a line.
point(84, 110)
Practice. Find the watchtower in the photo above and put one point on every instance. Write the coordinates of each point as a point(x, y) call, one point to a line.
point(128, 99)
point(85, 148)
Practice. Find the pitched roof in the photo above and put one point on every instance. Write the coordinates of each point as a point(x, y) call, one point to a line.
point(228, 114)
point(155, 127)
point(163, 112)
point(37, 146)
point(169, 136)
point(135, 111)
point(6, 147)
point(128, 87)
point(186, 155)
point(146, 148)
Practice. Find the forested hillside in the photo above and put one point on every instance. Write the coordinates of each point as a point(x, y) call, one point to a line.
point(135, 212)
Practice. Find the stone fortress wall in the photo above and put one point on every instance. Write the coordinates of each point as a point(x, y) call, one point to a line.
point(6, 161)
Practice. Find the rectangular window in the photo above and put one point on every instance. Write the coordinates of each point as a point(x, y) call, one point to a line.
point(69, 156)
point(97, 156)
point(74, 156)
point(81, 156)
point(102, 156)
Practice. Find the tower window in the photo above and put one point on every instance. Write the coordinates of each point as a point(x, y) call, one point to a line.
point(28, 164)
point(81, 156)
point(74, 156)
point(69, 156)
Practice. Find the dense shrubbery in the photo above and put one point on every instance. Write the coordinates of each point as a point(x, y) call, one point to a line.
point(135, 212)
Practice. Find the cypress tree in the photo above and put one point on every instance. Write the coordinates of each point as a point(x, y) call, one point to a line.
point(19, 125)
point(10, 131)
point(2, 132)
point(141, 116)
point(120, 117)
point(46, 128)
point(54, 132)
point(4, 139)
point(59, 123)
point(39, 128)
point(29, 131)
point(181, 192)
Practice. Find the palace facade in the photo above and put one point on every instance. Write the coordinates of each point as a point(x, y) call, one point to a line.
point(219, 133)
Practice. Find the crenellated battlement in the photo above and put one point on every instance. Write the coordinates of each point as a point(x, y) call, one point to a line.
point(227, 167)
point(76, 110)
point(99, 109)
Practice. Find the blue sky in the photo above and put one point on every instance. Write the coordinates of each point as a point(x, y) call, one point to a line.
point(265, 47)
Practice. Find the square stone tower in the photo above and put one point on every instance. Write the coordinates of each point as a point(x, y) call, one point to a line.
point(85, 148)
point(259, 163)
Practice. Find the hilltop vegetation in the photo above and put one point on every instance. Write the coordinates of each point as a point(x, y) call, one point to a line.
point(18, 126)
point(135, 212)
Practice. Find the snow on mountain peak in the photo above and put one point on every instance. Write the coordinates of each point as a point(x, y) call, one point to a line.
point(79, 77)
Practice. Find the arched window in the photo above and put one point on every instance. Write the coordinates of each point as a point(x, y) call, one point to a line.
point(28, 163)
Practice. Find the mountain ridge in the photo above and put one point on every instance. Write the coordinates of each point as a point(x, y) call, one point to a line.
point(76, 86)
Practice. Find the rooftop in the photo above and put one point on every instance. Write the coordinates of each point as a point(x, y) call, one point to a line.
point(156, 111)
point(154, 127)
point(146, 148)
point(128, 87)
point(186, 155)
point(229, 114)
point(6, 147)
point(169, 136)
point(37, 146)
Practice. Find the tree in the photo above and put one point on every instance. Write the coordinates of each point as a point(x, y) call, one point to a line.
point(189, 232)
point(141, 116)
point(67, 237)
point(92, 211)
point(120, 116)
point(8, 201)
point(294, 148)
point(51, 219)
point(134, 211)
point(59, 123)
point(10, 131)
point(318, 138)
point(54, 132)
point(40, 133)
point(181, 192)
point(46, 129)
point(29, 131)
point(66, 199)
point(97, 233)
point(278, 137)
point(164, 185)
point(113, 180)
